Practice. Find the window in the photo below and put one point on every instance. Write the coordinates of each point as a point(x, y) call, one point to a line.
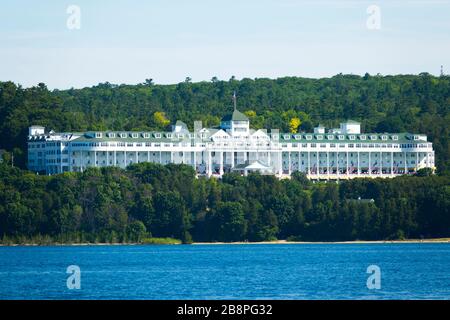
point(384, 138)
point(135, 135)
point(362, 137)
point(286, 137)
point(123, 135)
point(157, 135)
point(297, 137)
point(308, 137)
point(319, 137)
point(341, 137)
point(330, 137)
point(395, 137)
point(146, 135)
point(111, 135)
point(98, 134)
point(169, 135)
point(373, 137)
point(352, 137)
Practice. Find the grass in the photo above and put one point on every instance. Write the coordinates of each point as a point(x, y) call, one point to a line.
point(161, 241)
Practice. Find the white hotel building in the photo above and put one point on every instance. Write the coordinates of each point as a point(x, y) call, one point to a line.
point(342, 153)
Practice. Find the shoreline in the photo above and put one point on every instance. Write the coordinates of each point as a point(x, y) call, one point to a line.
point(276, 242)
point(439, 240)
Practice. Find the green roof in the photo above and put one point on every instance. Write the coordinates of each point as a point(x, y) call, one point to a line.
point(235, 116)
point(356, 138)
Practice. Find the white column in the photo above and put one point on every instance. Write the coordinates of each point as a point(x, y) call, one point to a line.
point(392, 163)
point(95, 158)
point(107, 158)
point(268, 158)
point(171, 156)
point(195, 160)
point(125, 158)
point(209, 167)
point(317, 164)
point(328, 164)
point(309, 162)
point(370, 165)
point(417, 161)
point(115, 158)
point(160, 156)
point(357, 165)
point(289, 162)
point(406, 166)
point(148, 156)
point(137, 157)
point(346, 159)
point(280, 163)
point(381, 162)
point(337, 164)
point(232, 159)
point(221, 163)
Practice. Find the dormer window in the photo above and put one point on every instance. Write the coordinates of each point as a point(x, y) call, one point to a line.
point(169, 135)
point(308, 137)
point(180, 136)
point(146, 135)
point(286, 137)
point(123, 135)
point(352, 137)
point(319, 137)
point(135, 135)
point(384, 138)
point(373, 137)
point(330, 137)
point(341, 137)
point(395, 137)
point(111, 135)
point(98, 134)
point(158, 135)
point(362, 137)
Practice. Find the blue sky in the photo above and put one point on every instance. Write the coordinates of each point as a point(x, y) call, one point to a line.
point(168, 40)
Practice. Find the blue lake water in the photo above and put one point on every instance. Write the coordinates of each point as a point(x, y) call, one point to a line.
point(297, 271)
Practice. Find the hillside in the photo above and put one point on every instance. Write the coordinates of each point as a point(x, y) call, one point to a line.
point(412, 103)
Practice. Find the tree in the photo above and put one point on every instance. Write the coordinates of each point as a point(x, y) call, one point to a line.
point(230, 221)
point(424, 172)
point(160, 119)
point(136, 231)
point(294, 124)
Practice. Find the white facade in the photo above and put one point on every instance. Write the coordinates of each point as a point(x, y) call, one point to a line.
point(343, 153)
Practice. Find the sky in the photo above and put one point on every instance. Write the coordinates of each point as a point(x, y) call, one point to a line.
point(128, 41)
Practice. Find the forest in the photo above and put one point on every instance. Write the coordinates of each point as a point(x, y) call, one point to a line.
point(401, 103)
point(113, 205)
point(149, 201)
